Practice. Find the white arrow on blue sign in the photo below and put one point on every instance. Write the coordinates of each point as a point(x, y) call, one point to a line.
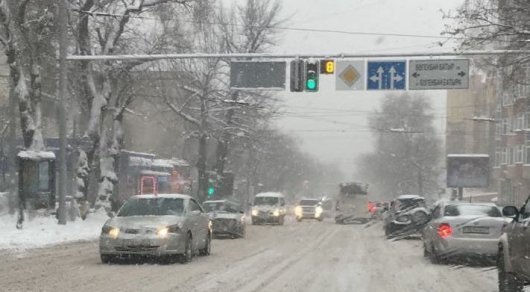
point(386, 75)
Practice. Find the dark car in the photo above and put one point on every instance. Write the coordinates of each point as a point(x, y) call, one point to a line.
point(406, 216)
point(227, 218)
point(513, 260)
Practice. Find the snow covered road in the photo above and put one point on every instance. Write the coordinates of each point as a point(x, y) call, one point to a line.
point(306, 256)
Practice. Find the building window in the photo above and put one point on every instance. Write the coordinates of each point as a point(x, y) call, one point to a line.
point(504, 156)
point(519, 121)
point(511, 155)
point(519, 151)
point(497, 158)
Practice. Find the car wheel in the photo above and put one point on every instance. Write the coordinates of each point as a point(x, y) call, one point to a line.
point(207, 246)
point(507, 281)
point(254, 222)
point(433, 256)
point(188, 251)
point(106, 259)
point(298, 219)
point(281, 220)
point(320, 219)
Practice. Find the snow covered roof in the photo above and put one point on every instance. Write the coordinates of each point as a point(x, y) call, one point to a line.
point(162, 163)
point(36, 155)
point(140, 161)
point(155, 173)
point(170, 163)
point(409, 197)
point(270, 194)
point(169, 196)
point(143, 154)
point(468, 155)
point(179, 162)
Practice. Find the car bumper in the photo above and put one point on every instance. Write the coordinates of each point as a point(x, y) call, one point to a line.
point(467, 246)
point(266, 218)
point(148, 246)
point(309, 216)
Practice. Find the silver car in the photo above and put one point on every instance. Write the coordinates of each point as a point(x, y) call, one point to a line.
point(462, 229)
point(157, 225)
point(227, 218)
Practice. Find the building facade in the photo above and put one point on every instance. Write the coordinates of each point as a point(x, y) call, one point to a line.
point(470, 126)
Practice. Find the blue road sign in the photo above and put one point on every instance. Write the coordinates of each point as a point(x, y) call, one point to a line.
point(386, 75)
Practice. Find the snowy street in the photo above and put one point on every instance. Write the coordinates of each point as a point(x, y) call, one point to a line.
point(306, 256)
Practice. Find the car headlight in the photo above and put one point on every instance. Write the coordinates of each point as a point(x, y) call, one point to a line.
point(254, 212)
point(276, 213)
point(318, 211)
point(112, 232)
point(298, 211)
point(162, 232)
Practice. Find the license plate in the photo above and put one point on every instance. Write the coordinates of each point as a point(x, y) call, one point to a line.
point(476, 229)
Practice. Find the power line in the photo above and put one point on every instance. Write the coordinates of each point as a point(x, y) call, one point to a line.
point(286, 28)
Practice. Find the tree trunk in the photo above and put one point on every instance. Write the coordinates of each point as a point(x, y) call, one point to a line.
point(202, 189)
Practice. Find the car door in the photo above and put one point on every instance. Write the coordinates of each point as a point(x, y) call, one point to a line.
point(431, 227)
point(523, 241)
point(199, 226)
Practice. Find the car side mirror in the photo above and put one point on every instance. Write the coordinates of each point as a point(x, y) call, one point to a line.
point(510, 212)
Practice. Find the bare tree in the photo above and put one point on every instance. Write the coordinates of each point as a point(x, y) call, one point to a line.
point(102, 27)
point(407, 150)
point(26, 35)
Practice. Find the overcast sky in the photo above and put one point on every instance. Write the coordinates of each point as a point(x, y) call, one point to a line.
point(332, 125)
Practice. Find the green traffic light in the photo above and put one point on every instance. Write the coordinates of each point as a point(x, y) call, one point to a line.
point(211, 191)
point(311, 84)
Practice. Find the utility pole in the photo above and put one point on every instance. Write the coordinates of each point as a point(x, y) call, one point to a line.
point(62, 112)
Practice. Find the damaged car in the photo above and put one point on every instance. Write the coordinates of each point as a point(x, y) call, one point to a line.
point(227, 218)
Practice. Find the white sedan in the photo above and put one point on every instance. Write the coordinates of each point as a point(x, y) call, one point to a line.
point(157, 225)
point(459, 230)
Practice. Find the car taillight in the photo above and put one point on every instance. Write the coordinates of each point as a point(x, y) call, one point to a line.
point(445, 230)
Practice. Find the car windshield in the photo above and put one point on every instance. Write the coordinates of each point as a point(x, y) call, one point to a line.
point(407, 204)
point(152, 207)
point(309, 202)
point(472, 210)
point(214, 206)
point(266, 201)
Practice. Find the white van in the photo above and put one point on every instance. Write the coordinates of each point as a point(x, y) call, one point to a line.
point(268, 208)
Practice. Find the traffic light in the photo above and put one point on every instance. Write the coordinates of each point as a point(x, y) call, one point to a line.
point(211, 190)
point(297, 76)
point(311, 76)
point(327, 66)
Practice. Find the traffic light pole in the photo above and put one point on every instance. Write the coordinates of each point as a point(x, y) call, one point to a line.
point(292, 56)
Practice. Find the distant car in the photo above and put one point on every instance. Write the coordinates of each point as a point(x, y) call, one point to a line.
point(513, 261)
point(309, 209)
point(459, 230)
point(157, 225)
point(268, 208)
point(407, 216)
point(227, 218)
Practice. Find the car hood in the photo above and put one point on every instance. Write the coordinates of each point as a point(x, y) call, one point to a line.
point(223, 215)
point(143, 221)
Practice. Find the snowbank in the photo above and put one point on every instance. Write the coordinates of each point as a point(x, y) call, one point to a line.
point(42, 231)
